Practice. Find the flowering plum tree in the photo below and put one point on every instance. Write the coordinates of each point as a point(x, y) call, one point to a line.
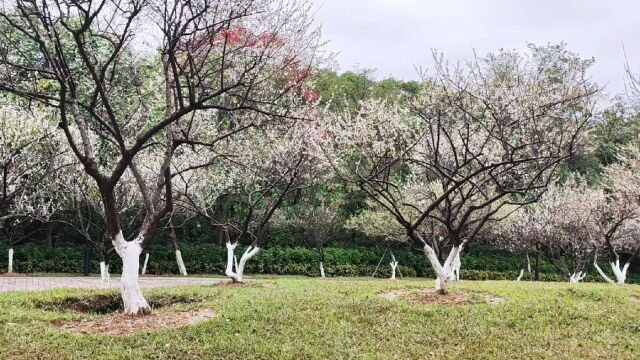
point(89, 62)
point(491, 135)
point(620, 215)
point(564, 227)
point(318, 224)
point(268, 164)
point(574, 221)
point(379, 224)
point(28, 155)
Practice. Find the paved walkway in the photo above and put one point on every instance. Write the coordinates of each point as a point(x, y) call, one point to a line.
point(32, 283)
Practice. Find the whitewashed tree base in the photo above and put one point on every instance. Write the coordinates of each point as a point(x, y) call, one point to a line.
point(445, 273)
point(104, 273)
point(129, 252)
point(181, 267)
point(577, 277)
point(10, 264)
point(620, 273)
point(394, 266)
point(456, 264)
point(144, 266)
point(322, 270)
point(232, 261)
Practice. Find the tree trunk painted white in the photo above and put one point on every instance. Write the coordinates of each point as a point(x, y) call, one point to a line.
point(394, 266)
point(10, 265)
point(604, 276)
point(321, 270)
point(181, 267)
point(104, 272)
point(130, 251)
point(236, 276)
point(619, 273)
point(577, 277)
point(456, 264)
point(444, 272)
point(144, 266)
point(522, 270)
point(442, 285)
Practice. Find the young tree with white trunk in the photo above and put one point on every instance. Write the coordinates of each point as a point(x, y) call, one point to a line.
point(317, 225)
point(518, 235)
point(90, 63)
point(268, 164)
point(494, 131)
point(394, 266)
point(379, 224)
point(261, 193)
point(170, 228)
point(620, 219)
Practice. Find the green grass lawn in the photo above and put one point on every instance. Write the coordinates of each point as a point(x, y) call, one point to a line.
point(302, 318)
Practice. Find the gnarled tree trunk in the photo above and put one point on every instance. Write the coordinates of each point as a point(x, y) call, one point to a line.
point(129, 252)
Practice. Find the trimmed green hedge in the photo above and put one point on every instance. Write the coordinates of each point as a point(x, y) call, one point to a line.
point(30, 258)
point(211, 259)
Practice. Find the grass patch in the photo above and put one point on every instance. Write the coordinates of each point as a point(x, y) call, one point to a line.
point(301, 318)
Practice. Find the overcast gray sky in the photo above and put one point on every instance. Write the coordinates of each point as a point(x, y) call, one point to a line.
point(394, 36)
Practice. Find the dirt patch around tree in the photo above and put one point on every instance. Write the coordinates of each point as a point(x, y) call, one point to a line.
point(108, 318)
point(430, 297)
point(243, 284)
point(124, 325)
point(109, 303)
point(249, 284)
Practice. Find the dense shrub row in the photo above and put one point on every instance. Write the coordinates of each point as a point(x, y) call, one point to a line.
point(480, 264)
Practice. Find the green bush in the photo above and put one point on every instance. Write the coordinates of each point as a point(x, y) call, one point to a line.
point(199, 258)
